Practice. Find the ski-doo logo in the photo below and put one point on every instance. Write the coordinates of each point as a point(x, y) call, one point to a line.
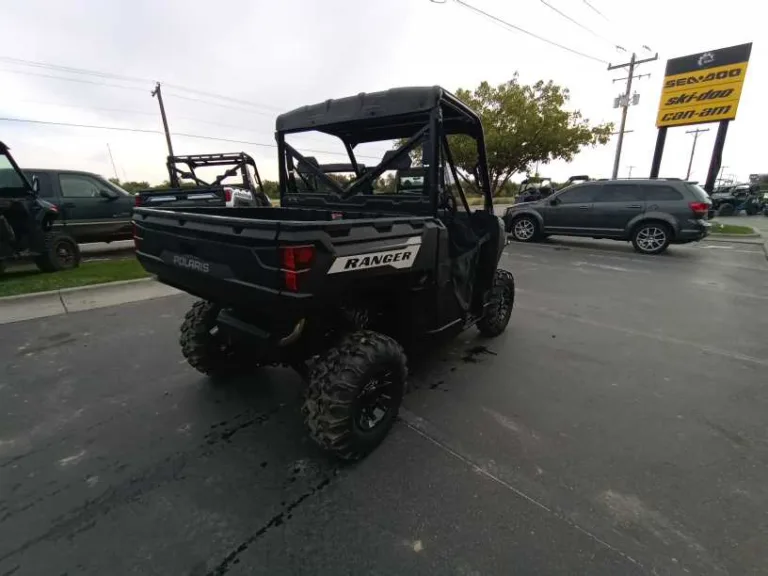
point(191, 263)
point(393, 258)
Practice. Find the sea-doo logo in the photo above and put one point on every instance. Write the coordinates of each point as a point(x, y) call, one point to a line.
point(191, 263)
point(394, 258)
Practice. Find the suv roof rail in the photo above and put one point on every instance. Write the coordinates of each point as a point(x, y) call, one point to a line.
point(638, 178)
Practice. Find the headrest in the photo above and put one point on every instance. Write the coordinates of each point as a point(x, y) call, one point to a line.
point(402, 163)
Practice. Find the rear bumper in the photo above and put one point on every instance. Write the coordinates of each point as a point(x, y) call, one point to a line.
point(695, 231)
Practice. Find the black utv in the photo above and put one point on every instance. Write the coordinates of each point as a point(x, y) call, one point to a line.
point(344, 274)
point(26, 223)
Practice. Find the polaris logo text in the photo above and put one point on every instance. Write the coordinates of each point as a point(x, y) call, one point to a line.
point(394, 258)
point(191, 263)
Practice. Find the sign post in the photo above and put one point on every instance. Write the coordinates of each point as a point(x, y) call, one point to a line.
point(701, 88)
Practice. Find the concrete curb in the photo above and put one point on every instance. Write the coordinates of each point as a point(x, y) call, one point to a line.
point(68, 300)
point(736, 238)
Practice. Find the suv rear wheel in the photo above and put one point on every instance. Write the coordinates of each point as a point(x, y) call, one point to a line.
point(525, 229)
point(651, 237)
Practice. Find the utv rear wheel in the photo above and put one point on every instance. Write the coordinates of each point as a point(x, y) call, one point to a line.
point(202, 345)
point(354, 394)
point(60, 252)
point(525, 229)
point(499, 305)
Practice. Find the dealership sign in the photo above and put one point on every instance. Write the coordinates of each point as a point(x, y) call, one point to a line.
point(703, 87)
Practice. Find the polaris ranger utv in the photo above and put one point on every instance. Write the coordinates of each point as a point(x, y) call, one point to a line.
point(336, 280)
point(26, 223)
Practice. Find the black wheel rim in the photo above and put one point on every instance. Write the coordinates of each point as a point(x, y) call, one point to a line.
point(65, 254)
point(375, 402)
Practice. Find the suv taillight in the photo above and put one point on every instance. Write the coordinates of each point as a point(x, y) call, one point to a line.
point(227, 194)
point(137, 200)
point(295, 260)
point(699, 208)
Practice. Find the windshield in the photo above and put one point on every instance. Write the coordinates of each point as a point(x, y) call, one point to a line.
point(10, 180)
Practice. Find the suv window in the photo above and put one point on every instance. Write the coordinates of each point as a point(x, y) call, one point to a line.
point(661, 193)
point(77, 186)
point(578, 194)
point(619, 193)
point(698, 192)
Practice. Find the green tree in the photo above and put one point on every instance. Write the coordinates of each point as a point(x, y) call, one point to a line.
point(523, 125)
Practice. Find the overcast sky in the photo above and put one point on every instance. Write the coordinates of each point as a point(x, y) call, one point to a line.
point(280, 55)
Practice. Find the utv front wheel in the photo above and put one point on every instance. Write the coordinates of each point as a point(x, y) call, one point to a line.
point(204, 348)
point(354, 394)
point(60, 252)
point(498, 307)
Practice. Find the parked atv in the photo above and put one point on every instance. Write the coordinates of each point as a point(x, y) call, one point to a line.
point(26, 222)
point(343, 274)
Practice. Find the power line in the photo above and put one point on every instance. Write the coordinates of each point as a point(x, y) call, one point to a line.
point(179, 134)
point(79, 80)
point(125, 78)
point(582, 26)
point(596, 10)
point(189, 98)
point(498, 20)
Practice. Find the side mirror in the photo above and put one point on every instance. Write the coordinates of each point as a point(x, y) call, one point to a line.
point(554, 201)
point(108, 194)
point(35, 184)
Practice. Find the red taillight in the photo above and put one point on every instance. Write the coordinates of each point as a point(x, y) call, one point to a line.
point(295, 260)
point(137, 200)
point(699, 208)
point(228, 194)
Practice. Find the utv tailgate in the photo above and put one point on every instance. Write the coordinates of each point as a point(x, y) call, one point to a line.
point(181, 198)
point(241, 261)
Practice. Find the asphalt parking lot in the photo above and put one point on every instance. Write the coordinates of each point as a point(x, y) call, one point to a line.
point(617, 427)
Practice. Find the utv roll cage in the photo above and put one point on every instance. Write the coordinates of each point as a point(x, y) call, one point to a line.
point(239, 162)
point(421, 116)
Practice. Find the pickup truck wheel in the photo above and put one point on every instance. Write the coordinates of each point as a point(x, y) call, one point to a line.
point(201, 345)
point(354, 394)
point(60, 252)
point(499, 305)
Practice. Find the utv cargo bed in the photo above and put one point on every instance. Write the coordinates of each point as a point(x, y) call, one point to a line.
point(251, 258)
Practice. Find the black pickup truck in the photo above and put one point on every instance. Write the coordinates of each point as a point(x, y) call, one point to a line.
point(343, 274)
point(91, 208)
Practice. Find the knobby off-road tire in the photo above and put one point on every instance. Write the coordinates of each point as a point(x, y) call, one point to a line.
point(201, 346)
point(354, 394)
point(60, 252)
point(499, 305)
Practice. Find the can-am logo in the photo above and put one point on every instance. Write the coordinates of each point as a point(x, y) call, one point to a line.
point(191, 263)
point(394, 258)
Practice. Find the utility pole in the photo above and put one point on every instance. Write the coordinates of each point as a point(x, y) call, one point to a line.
point(693, 148)
point(157, 92)
point(113, 161)
point(630, 171)
point(625, 102)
